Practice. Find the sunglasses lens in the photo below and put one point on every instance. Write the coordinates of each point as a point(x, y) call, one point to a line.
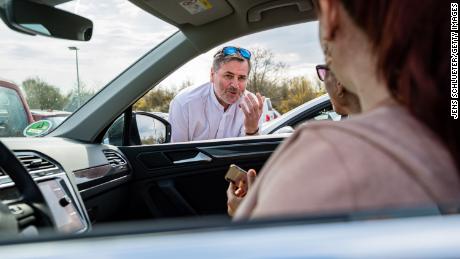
point(245, 53)
point(229, 51)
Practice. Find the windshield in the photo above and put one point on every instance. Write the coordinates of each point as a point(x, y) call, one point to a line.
point(58, 76)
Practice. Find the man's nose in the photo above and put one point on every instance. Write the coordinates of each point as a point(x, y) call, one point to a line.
point(235, 81)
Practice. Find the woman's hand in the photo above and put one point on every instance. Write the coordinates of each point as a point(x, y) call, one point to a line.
point(237, 191)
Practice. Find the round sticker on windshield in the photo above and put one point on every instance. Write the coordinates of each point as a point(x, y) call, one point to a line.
point(38, 128)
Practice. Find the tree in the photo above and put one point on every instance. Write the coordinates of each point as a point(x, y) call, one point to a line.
point(157, 99)
point(185, 84)
point(265, 71)
point(41, 95)
point(72, 97)
point(265, 75)
point(297, 91)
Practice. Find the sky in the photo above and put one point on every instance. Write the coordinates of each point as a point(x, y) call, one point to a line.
point(117, 43)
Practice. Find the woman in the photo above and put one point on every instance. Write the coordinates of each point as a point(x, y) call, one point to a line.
point(403, 150)
point(343, 101)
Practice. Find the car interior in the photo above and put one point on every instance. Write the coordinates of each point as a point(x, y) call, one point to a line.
point(82, 175)
point(98, 174)
point(71, 181)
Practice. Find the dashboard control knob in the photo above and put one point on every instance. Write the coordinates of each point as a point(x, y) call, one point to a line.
point(64, 201)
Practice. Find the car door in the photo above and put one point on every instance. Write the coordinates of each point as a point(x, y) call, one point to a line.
point(187, 179)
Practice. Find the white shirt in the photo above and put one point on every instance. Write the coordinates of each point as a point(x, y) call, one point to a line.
point(196, 114)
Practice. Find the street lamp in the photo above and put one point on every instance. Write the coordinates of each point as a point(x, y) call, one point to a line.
point(78, 76)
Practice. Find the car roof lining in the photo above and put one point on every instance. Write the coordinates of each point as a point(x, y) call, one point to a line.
point(238, 17)
point(180, 12)
point(50, 2)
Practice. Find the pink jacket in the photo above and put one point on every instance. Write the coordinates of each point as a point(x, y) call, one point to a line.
point(381, 159)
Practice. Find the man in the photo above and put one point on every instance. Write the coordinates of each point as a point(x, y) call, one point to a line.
point(221, 108)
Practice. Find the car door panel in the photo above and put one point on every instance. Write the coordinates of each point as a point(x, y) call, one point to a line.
point(188, 179)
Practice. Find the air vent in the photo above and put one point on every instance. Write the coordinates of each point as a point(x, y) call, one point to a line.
point(115, 159)
point(33, 162)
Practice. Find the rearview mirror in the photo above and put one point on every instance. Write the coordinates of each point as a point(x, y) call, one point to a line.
point(33, 18)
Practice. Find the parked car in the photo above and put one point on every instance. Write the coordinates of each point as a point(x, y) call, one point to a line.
point(48, 114)
point(268, 113)
point(54, 117)
point(70, 182)
point(15, 114)
point(319, 108)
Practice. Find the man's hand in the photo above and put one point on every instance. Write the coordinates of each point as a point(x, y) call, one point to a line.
point(237, 191)
point(252, 110)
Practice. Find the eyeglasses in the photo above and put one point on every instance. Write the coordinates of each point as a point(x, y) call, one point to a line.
point(229, 51)
point(322, 71)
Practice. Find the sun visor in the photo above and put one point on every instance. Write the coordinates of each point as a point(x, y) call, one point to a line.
point(181, 12)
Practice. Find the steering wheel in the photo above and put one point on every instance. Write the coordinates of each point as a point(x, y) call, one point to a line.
point(31, 202)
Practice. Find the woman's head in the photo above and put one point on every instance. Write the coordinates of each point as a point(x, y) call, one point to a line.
point(343, 101)
point(405, 44)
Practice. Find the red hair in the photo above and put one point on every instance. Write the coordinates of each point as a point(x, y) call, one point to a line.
point(412, 42)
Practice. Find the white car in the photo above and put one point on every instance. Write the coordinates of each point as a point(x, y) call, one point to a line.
point(269, 113)
point(319, 108)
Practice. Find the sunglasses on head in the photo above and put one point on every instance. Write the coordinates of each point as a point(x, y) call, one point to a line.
point(229, 51)
point(322, 71)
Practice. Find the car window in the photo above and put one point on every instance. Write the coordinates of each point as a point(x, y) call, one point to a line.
point(59, 76)
point(282, 70)
point(13, 116)
point(114, 135)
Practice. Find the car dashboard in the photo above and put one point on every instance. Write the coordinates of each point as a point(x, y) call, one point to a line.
point(66, 172)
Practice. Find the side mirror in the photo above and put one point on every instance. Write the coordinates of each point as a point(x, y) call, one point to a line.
point(152, 129)
point(146, 129)
point(34, 18)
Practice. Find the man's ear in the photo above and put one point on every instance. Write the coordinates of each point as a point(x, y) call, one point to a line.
point(211, 79)
point(328, 18)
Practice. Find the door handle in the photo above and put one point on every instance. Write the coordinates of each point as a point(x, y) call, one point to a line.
point(200, 157)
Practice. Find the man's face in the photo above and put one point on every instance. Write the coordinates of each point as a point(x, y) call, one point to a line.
point(230, 81)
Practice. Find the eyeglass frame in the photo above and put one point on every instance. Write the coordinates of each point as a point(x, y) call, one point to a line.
point(319, 68)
